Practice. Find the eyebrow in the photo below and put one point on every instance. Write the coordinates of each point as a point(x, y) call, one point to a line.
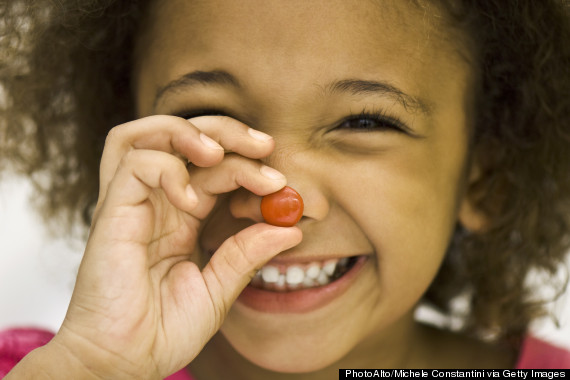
point(355, 87)
point(363, 87)
point(215, 77)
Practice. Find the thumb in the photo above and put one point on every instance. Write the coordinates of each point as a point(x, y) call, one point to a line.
point(234, 264)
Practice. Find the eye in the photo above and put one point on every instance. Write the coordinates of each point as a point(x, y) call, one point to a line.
point(189, 114)
point(373, 121)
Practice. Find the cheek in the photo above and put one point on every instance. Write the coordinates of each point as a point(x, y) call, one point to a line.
point(406, 205)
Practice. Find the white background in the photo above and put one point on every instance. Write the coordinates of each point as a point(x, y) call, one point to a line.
point(37, 272)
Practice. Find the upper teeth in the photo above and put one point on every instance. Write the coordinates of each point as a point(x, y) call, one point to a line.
point(269, 273)
point(297, 276)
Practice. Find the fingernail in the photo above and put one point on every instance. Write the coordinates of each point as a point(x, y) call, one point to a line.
point(209, 142)
point(271, 173)
point(258, 135)
point(191, 194)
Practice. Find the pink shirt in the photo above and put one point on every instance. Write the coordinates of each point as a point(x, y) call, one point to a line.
point(538, 354)
point(17, 343)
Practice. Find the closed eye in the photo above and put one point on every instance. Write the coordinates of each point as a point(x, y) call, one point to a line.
point(189, 114)
point(375, 121)
point(366, 121)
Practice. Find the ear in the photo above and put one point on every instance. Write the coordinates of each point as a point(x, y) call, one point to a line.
point(470, 216)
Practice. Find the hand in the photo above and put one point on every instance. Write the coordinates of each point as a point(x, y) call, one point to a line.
point(140, 307)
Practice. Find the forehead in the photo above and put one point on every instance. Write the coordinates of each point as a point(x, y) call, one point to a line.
point(279, 46)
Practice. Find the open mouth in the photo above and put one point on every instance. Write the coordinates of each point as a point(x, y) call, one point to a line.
point(301, 287)
point(294, 277)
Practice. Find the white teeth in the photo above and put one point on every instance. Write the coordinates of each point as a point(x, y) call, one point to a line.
point(303, 276)
point(295, 275)
point(308, 282)
point(323, 279)
point(313, 271)
point(330, 267)
point(269, 274)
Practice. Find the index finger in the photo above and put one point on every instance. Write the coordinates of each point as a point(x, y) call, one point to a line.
point(167, 134)
point(235, 136)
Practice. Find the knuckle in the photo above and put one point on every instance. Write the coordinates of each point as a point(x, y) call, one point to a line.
point(179, 165)
point(238, 163)
point(220, 311)
point(114, 135)
point(170, 163)
point(130, 155)
point(219, 124)
point(129, 158)
point(161, 118)
point(219, 305)
point(232, 159)
point(240, 262)
point(229, 122)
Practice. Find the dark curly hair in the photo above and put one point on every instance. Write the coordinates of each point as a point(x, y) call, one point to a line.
point(65, 81)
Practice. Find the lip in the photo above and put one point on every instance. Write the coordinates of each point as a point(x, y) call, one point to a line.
point(300, 301)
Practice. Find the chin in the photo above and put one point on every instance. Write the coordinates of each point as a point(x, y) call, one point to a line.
point(305, 329)
point(290, 356)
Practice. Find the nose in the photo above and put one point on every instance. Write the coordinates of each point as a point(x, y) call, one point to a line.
point(301, 176)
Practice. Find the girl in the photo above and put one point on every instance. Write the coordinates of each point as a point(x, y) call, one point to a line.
point(428, 140)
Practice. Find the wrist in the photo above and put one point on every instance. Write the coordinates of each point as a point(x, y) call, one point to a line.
point(49, 362)
point(89, 361)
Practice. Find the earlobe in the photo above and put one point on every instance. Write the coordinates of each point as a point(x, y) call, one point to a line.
point(471, 217)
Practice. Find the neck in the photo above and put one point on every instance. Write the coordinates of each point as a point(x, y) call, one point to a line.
point(400, 347)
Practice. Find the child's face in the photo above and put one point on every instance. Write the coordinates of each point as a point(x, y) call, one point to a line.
point(392, 194)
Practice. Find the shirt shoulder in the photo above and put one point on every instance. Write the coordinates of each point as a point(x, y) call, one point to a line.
point(17, 343)
point(538, 354)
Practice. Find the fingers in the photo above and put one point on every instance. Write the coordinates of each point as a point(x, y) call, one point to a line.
point(125, 221)
point(244, 204)
point(140, 171)
point(235, 136)
point(146, 154)
point(234, 264)
point(162, 133)
point(192, 140)
point(232, 173)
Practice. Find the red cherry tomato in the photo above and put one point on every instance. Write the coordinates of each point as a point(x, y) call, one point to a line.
point(283, 208)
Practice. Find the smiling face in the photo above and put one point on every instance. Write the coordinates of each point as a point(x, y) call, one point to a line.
point(368, 103)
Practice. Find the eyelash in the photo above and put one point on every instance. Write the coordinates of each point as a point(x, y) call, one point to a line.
point(200, 112)
point(380, 120)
